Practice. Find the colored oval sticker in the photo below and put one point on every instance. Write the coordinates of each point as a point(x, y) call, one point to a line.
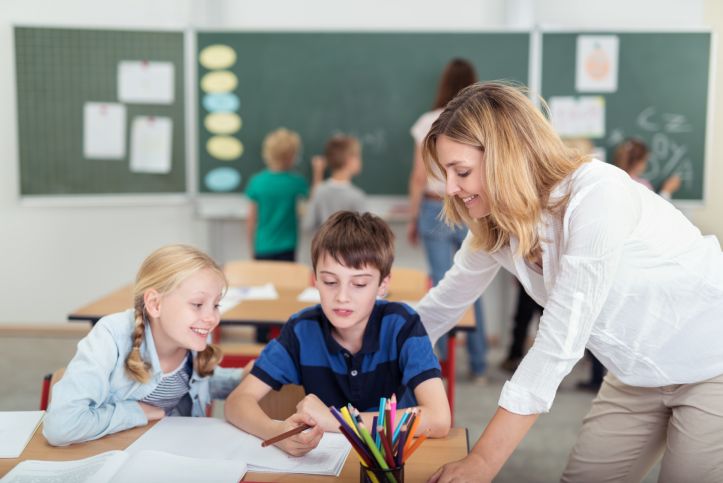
point(221, 102)
point(224, 148)
point(222, 122)
point(222, 179)
point(219, 81)
point(217, 56)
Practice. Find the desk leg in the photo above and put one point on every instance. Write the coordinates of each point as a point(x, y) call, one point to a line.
point(451, 346)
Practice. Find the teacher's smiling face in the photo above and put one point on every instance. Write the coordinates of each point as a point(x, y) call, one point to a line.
point(464, 166)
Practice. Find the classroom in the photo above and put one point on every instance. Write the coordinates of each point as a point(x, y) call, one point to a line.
point(96, 177)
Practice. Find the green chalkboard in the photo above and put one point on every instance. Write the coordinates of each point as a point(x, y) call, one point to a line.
point(58, 71)
point(661, 97)
point(371, 85)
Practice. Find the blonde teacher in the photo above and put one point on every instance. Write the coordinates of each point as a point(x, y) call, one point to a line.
point(617, 269)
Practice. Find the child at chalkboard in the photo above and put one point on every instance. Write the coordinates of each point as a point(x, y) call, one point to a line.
point(273, 194)
point(343, 156)
point(150, 361)
point(632, 157)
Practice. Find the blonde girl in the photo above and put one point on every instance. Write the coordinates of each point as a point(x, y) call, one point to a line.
point(617, 269)
point(150, 361)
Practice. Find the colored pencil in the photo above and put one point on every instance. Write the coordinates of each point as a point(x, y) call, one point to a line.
point(380, 419)
point(284, 435)
point(350, 421)
point(414, 447)
point(400, 446)
point(393, 408)
point(402, 420)
point(358, 446)
point(387, 447)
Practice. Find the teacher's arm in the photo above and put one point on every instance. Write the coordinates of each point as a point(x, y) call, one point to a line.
point(470, 275)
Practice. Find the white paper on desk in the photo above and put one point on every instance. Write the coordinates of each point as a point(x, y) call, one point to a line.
point(255, 292)
point(16, 429)
point(151, 144)
point(213, 438)
point(236, 295)
point(104, 130)
point(309, 295)
point(124, 467)
point(143, 82)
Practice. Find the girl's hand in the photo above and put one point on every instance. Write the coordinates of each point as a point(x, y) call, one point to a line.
point(312, 406)
point(152, 412)
point(302, 443)
point(412, 232)
point(470, 468)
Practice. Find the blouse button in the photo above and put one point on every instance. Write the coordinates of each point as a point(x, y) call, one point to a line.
point(354, 373)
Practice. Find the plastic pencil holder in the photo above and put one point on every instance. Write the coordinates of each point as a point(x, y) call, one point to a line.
point(378, 475)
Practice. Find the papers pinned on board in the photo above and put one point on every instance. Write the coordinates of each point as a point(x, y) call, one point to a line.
point(217, 439)
point(596, 63)
point(151, 144)
point(104, 130)
point(578, 117)
point(16, 429)
point(143, 82)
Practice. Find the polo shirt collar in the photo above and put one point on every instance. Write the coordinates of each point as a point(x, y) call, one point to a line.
point(370, 343)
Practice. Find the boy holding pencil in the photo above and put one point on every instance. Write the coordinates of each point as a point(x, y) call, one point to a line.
point(353, 348)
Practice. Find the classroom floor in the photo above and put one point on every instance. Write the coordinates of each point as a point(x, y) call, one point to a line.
point(540, 458)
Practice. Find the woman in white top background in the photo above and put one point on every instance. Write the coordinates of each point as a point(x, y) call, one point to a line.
point(426, 195)
point(617, 269)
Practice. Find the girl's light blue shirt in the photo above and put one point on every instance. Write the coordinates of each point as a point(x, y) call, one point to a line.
point(96, 397)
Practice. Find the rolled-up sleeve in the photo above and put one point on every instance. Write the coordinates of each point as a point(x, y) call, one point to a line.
point(444, 304)
point(597, 222)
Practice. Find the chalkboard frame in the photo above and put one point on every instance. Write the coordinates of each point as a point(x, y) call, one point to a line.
point(179, 193)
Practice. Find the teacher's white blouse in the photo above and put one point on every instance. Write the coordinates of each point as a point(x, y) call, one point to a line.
point(624, 273)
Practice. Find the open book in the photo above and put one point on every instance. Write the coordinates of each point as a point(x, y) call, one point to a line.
point(124, 467)
point(214, 438)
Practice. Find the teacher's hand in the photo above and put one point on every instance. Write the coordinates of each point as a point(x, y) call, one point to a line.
point(470, 468)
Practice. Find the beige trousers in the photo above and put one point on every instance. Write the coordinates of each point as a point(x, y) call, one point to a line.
point(628, 428)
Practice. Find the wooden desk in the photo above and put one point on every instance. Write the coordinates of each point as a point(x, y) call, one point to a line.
point(425, 461)
point(276, 313)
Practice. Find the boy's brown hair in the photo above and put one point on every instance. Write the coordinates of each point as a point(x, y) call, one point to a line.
point(338, 150)
point(355, 240)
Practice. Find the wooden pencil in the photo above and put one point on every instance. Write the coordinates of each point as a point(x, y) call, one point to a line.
point(283, 436)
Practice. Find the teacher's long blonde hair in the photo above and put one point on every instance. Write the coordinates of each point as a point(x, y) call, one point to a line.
point(524, 160)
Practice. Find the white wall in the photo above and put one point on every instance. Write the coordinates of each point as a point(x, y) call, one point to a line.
point(55, 259)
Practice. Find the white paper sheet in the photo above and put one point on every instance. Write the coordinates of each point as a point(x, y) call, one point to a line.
point(309, 295)
point(578, 117)
point(596, 68)
point(151, 144)
point(142, 82)
point(212, 438)
point(16, 429)
point(125, 467)
point(104, 130)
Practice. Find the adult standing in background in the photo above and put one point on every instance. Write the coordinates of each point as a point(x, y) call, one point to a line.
point(617, 269)
point(426, 196)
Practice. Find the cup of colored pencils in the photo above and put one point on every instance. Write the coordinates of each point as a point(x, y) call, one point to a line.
point(383, 449)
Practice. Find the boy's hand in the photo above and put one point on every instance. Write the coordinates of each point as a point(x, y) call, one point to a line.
point(152, 412)
point(313, 406)
point(302, 443)
point(318, 164)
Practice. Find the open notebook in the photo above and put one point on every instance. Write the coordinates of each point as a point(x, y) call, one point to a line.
point(125, 467)
point(214, 438)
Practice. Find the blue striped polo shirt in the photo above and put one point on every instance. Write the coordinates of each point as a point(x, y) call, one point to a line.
point(396, 356)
